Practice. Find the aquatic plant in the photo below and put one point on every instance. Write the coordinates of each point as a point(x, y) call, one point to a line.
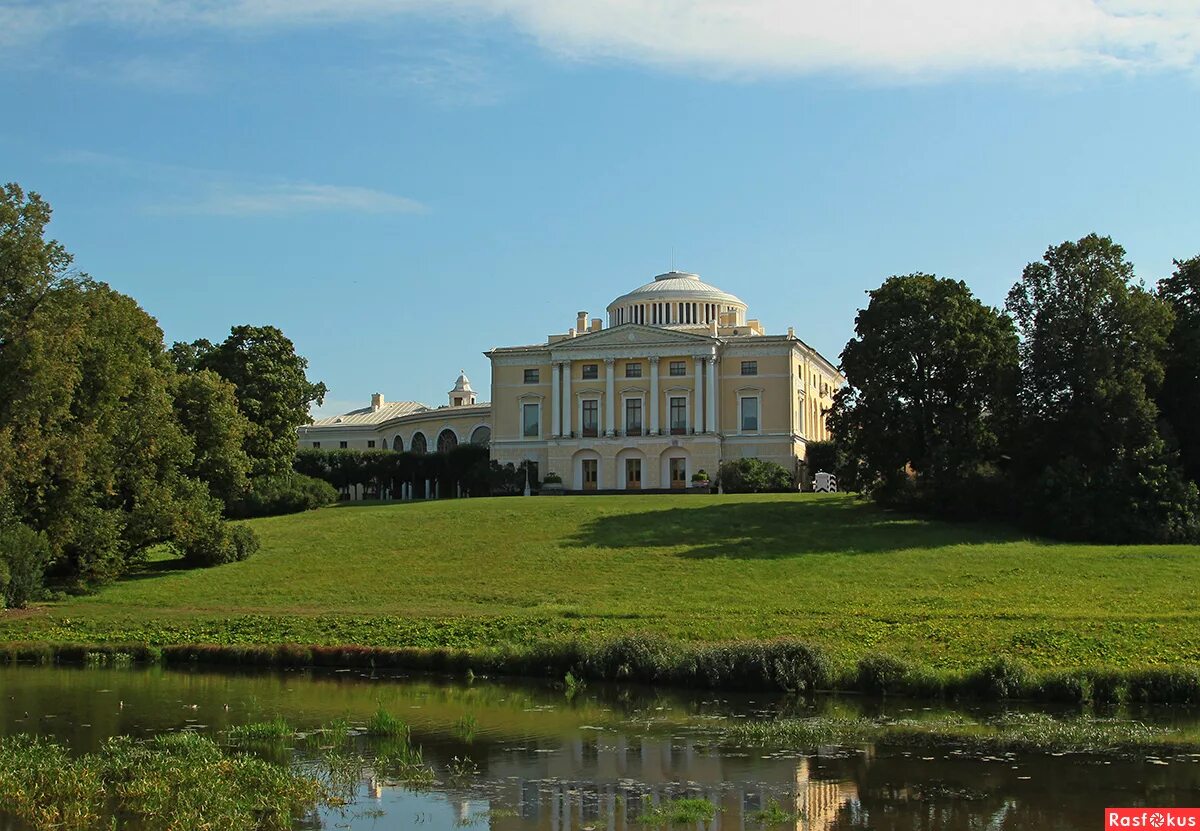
point(685, 811)
point(261, 732)
point(384, 724)
point(174, 781)
point(774, 814)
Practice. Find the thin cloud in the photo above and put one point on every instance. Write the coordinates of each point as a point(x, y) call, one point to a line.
point(218, 193)
point(276, 200)
point(880, 38)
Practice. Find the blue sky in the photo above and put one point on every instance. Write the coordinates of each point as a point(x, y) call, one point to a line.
point(401, 185)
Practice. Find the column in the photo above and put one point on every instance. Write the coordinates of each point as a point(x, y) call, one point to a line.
point(566, 399)
point(653, 398)
point(711, 398)
point(699, 405)
point(610, 366)
point(555, 400)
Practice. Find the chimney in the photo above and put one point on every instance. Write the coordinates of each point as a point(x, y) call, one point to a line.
point(376, 401)
point(581, 323)
point(571, 332)
point(712, 327)
point(596, 324)
point(791, 331)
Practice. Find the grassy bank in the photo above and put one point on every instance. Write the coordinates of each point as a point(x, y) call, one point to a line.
point(482, 582)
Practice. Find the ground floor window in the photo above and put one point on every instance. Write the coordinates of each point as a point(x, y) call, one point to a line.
point(678, 468)
point(590, 468)
point(633, 474)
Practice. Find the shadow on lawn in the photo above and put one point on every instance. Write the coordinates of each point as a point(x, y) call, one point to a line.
point(770, 530)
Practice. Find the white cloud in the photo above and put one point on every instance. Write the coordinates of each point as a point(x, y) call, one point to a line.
point(733, 37)
point(293, 199)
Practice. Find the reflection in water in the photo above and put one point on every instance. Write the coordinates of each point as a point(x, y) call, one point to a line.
point(534, 760)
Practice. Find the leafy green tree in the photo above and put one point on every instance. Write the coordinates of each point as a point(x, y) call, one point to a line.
point(207, 409)
point(272, 390)
point(91, 451)
point(1091, 462)
point(1179, 398)
point(931, 375)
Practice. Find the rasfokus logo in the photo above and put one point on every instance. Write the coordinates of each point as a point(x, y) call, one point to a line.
point(1152, 818)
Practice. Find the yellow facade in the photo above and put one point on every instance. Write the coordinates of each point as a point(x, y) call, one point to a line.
point(679, 381)
point(638, 406)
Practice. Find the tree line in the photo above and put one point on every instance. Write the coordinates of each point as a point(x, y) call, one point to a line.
point(111, 444)
point(1074, 410)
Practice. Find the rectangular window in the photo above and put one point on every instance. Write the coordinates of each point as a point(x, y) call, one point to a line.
point(591, 417)
point(532, 376)
point(529, 420)
point(370, 443)
point(633, 370)
point(342, 445)
point(591, 372)
point(633, 416)
point(749, 367)
point(633, 474)
point(678, 368)
point(678, 416)
point(750, 414)
point(317, 445)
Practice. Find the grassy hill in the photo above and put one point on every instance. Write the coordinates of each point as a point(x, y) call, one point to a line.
point(827, 569)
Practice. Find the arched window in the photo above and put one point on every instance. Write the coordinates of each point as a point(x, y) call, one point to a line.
point(418, 444)
point(482, 436)
point(447, 441)
point(397, 444)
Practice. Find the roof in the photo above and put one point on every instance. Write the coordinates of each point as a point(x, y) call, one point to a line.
point(677, 285)
point(369, 415)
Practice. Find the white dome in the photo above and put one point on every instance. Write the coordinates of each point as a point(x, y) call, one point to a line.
point(674, 298)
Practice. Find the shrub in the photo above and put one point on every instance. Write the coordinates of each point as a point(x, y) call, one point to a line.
point(551, 479)
point(215, 542)
point(1173, 686)
point(23, 557)
point(879, 673)
point(700, 475)
point(754, 476)
point(288, 493)
point(1002, 678)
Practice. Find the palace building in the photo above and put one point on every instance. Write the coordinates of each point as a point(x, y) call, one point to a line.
point(675, 381)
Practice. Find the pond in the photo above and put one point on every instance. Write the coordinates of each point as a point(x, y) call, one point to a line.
point(533, 755)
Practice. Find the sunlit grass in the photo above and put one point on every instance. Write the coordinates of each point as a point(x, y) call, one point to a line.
point(823, 569)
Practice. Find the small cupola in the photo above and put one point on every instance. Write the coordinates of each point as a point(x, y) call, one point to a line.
point(462, 395)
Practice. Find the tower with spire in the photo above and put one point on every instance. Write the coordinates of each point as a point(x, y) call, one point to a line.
point(462, 395)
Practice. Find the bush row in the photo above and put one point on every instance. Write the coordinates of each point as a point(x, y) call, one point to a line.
point(775, 666)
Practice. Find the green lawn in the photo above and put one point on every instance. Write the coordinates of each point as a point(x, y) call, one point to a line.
point(822, 568)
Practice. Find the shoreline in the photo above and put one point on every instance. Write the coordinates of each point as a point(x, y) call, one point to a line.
point(777, 666)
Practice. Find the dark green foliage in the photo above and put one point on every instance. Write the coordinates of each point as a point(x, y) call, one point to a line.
point(1090, 462)
point(210, 541)
point(381, 473)
point(1178, 684)
point(927, 409)
point(24, 554)
point(880, 674)
point(207, 409)
point(999, 679)
point(1179, 398)
point(272, 389)
point(288, 493)
point(754, 476)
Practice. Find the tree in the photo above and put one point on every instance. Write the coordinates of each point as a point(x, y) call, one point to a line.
point(92, 456)
point(273, 391)
point(207, 409)
point(1179, 398)
point(1091, 463)
point(931, 379)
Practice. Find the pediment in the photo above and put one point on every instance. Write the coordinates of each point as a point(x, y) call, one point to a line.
point(631, 334)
